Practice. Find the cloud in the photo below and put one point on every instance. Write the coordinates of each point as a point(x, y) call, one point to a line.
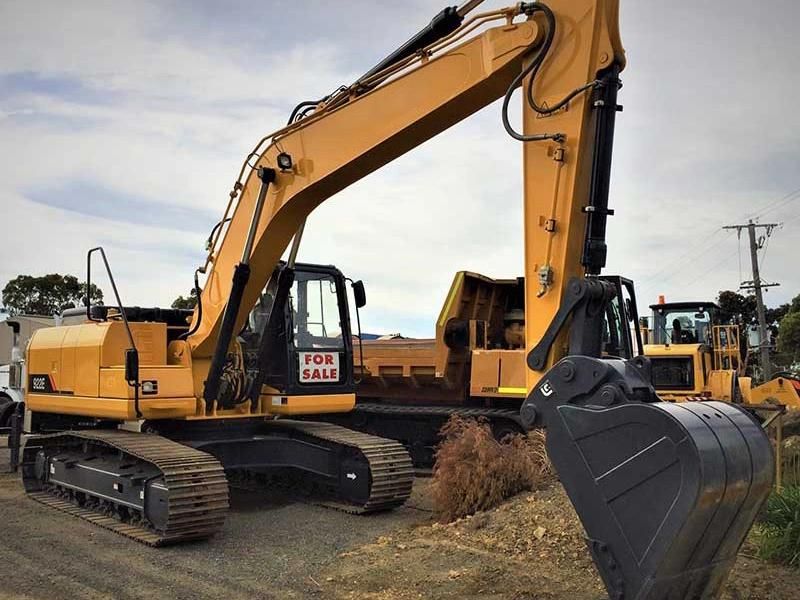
point(126, 124)
point(91, 199)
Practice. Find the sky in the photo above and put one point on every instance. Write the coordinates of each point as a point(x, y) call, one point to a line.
point(123, 124)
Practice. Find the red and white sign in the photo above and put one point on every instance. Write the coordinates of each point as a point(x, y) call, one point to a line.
point(319, 367)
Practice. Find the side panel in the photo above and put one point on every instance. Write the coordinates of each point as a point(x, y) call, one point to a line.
point(498, 374)
point(110, 408)
point(67, 382)
point(78, 370)
point(308, 405)
point(721, 385)
point(87, 358)
point(43, 356)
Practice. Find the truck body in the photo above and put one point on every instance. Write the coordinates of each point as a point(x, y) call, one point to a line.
point(475, 366)
point(468, 359)
point(13, 340)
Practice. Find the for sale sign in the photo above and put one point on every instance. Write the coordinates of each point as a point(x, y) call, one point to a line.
point(319, 367)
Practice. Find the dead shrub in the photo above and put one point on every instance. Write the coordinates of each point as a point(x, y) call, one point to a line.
point(474, 471)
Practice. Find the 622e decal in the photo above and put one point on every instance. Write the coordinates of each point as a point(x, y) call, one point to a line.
point(41, 384)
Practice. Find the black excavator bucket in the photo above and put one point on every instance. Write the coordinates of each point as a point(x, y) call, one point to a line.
point(666, 492)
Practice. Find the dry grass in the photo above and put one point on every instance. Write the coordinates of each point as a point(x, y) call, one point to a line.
point(474, 471)
point(791, 461)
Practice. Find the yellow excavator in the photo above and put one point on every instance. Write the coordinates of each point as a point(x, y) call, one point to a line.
point(134, 418)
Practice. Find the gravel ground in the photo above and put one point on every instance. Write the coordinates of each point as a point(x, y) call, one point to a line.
point(531, 547)
point(270, 547)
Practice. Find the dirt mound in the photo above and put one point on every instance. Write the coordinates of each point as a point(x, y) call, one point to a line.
point(474, 471)
point(531, 547)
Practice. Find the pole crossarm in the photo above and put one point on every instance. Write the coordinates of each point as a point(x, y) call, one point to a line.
point(758, 285)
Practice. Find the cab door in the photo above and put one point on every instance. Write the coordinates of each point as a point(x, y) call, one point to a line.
point(320, 343)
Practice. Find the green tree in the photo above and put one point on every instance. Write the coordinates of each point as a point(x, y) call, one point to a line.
point(47, 294)
point(789, 336)
point(794, 306)
point(740, 308)
point(774, 315)
point(189, 301)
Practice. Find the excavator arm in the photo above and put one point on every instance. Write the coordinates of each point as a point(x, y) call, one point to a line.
point(379, 118)
point(666, 493)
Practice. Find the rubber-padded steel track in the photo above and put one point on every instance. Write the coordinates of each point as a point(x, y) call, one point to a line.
point(196, 484)
point(418, 427)
point(468, 412)
point(390, 467)
point(444, 411)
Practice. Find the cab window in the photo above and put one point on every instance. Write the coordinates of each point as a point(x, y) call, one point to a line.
point(314, 301)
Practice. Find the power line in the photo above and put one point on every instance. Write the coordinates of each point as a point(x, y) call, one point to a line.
point(655, 286)
point(792, 220)
point(758, 285)
point(690, 253)
point(791, 196)
point(673, 267)
point(692, 260)
point(764, 252)
point(707, 271)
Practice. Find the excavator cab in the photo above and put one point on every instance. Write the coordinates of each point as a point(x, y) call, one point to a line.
point(622, 336)
point(306, 348)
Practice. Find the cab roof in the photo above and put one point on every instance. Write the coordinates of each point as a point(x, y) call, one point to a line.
point(686, 305)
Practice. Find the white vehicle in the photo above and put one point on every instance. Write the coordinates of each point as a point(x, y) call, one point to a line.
point(11, 378)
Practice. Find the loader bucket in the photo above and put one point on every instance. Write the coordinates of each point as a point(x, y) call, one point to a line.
point(666, 492)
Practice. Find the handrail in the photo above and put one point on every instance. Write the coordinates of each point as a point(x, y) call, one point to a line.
point(131, 354)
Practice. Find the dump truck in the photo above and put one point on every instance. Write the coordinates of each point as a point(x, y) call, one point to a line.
point(474, 366)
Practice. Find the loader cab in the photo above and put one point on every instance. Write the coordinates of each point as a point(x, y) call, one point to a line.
point(680, 345)
point(684, 322)
point(694, 352)
point(311, 347)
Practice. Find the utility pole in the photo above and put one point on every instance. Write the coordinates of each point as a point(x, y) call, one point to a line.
point(756, 243)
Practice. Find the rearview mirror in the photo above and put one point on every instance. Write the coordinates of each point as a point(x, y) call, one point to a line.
point(131, 365)
point(359, 294)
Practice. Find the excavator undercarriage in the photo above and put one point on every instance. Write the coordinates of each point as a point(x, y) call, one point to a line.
point(171, 486)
